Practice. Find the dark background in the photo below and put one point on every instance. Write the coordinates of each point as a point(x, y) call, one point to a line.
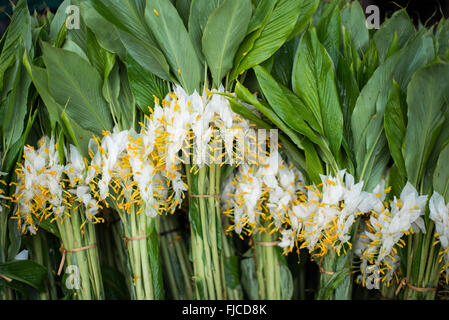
point(419, 10)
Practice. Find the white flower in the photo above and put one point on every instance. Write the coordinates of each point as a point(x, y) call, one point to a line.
point(439, 213)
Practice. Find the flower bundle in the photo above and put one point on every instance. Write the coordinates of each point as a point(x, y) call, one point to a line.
point(43, 193)
point(259, 198)
point(152, 180)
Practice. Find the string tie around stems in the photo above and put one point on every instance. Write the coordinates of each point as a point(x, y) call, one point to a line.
point(404, 283)
point(216, 196)
point(267, 244)
point(324, 271)
point(64, 253)
point(5, 278)
point(127, 240)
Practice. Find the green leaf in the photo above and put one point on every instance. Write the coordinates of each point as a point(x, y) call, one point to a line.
point(348, 91)
point(286, 282)
point(80, 137)
point(200, 11)
point(441, 174)
point(367, 123)
point(427, 96)
point(175, 42)
point(59, 19)
point(396, 181)
point(144, 85)
point(292, 115)
point(308, 8)
point(283, 63)
point(139, 49)
point(328, 30)
point(354, 20)
point(18, 34)
point(243, 94)
point(154, 257)
point(129, 19)
point(106, 33)
point(261, 14)
point(249, 278)
point(313, 82)
point(442, 37)
point(400, 24)
point(231, 271)
point(25, 271)
point(16, 107)
point(114, 284)
point(314, 166)
point(84, 101)
point(263, 43)
point(395, 126)
point(224, 31)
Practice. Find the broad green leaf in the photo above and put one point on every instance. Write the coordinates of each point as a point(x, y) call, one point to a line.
point(139, 49)
point(442, 38)
point(441, 174)
point(286, 279)
point(396, 181)
point(353, 18)
point(231, 272)
point(308, 8)
point(128, 16)
point(427, 96)
point(200, 11)
point(72, 46)
point(432, 161)
point(283, 63)
point(106, 33)
point(16, 107)
point(83, 99)
point(224, 31)
point(395, 125)
point(367, 121)
point(328, 29)
point(313, 81)
point(18, 34)
point(261, 14)
point(16, 150)
point(154, 257)
point(59, 19)
point(401, 24)
point(145, 85)
point(241, 110)
point(348, 91)
point(292, 115)
point(249, 277)
point(114, 284)
point(243, 94)
point(314, 167)
point(25, 271)
point(269, 38)
point(175, 42)
point(98, 57)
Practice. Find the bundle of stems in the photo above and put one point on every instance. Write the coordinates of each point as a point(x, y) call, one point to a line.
point(175, 257)
point(40, 253)
point(140, 238)
point(43, 193)
point(206, 230)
